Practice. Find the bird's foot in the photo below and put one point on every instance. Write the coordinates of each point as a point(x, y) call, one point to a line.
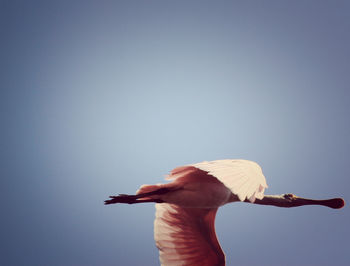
point(122, 198)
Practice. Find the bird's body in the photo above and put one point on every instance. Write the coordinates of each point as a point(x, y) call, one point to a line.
point(211, 184)
point(184, 225)
point(194, 190)
point(213, 193)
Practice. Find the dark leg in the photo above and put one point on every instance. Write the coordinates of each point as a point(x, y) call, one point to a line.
point(132, 199)
point(129, 199)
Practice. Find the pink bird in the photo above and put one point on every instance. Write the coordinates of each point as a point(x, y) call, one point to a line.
point(184, 229)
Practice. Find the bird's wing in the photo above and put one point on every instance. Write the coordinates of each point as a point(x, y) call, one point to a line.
point(186, 236)
point(244, 178)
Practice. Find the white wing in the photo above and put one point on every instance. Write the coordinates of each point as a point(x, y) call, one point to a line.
point(186, 236)
point(244, 178)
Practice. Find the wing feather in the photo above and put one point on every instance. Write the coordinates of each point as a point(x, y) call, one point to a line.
point(186, 236)
point(244, 178)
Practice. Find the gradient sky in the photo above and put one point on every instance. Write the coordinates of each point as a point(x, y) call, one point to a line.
point(99, 97)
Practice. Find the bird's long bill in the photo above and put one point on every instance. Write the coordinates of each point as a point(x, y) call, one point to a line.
point(290, 200)
point(335, 203)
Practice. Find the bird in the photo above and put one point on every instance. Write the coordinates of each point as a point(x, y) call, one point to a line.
point(186, 207)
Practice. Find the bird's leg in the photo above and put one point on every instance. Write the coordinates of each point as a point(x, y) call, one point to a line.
point(139, 198)
point(129, 199)
point(290, 200)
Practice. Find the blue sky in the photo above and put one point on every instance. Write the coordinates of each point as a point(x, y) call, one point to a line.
point(100, 97)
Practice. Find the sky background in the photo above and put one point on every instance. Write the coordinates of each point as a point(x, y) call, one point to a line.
point(100, 97)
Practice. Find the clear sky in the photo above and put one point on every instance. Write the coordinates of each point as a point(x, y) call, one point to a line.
point(100, 97)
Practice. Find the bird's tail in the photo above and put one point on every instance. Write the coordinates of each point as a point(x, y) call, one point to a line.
point(147, 189)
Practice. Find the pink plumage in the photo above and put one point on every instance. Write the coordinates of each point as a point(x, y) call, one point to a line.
point(186, 236)
point(184, 228)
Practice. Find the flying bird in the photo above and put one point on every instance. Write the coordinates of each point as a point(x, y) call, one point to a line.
point(184, 229)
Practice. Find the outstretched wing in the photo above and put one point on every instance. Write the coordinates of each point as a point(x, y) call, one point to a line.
point(186, 236)
point(244, 178)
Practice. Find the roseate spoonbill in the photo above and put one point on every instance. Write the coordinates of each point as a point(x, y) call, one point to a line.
point(184, 225)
